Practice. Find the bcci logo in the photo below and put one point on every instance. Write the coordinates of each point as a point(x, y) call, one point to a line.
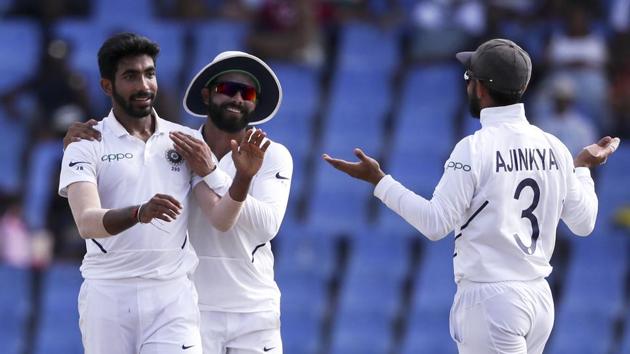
point(175, 159)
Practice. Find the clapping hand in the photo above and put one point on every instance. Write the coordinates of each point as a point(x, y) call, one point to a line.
point(249, 154)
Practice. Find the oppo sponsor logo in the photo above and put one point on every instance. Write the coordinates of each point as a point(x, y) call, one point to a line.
point(457, 166)
point(116, 157)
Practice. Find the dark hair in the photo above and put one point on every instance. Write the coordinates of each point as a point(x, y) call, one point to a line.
point(123, 45)
point(504, 98)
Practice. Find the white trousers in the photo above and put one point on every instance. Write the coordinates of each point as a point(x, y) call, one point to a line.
point(241, 333)
point(513, 317)
point(139, 316)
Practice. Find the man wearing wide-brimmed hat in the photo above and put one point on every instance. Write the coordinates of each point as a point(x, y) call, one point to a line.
point(238, 296)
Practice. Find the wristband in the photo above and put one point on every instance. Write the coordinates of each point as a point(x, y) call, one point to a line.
point(138, 214)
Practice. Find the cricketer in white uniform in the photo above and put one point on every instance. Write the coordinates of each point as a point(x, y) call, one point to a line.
point(137, 296)
point(238, 296)
point(503, 192)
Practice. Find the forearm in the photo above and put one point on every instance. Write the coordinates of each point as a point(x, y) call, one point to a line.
point(92, 220)
point(220, 212)
point(99, 223)
point(116, 221)
point(240, 187)
point(225, 213)
point(581, 204)
point(90, 223)
point(424, 215)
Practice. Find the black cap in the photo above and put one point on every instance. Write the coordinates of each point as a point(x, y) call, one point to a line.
point(501, 64)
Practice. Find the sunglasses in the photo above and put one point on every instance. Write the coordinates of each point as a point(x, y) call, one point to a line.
point(228, 88)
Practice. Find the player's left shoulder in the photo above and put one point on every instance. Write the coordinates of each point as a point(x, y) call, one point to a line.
point(277, 159)
point(277, 152)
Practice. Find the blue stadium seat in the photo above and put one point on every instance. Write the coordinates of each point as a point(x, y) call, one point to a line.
point(431, 97)
point(356, 112)
point(294, 121)
point(595, 282)
point(379, 256)
point(360, 333)
point(303, 293)
point(14, 308)
point(58, 331)
point(418, 170)
point(300, 334)
point(20, 50)
point(43, 163)
point(390, 223)
point(303, 253)
point(14, 138)
point(338, 204)
point(423, 135)
point(429, 333)
point(370, 295)
point(85, 38)
point(611, 176)
point(581, 333)
point(434, 283)
point(121, 12)
point(357, 45)
point(214, 37)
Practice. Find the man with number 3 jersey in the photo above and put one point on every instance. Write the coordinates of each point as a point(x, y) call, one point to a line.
point(503, 192)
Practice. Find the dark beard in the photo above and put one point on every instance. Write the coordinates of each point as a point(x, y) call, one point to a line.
point(474, 106)
point(128, 108)
point(216, 114)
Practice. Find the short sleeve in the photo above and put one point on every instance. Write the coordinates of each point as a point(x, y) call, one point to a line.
point(78, 165)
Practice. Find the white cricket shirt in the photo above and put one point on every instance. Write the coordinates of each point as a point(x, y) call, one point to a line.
point(128, 171)
point(235, 272)
point(503, 192)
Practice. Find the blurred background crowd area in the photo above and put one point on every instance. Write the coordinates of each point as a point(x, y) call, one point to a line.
point(376, 74)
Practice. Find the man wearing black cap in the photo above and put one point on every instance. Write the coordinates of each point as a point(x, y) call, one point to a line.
point(503, 192)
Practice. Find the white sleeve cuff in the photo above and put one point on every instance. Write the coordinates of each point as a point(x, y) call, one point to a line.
point(218, 181)
point(383, 185)
point(582, 172)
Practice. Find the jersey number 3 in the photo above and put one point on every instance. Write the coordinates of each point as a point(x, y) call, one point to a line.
point(529, 214)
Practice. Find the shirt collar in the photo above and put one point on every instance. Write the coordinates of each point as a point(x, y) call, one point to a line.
point(514, 113)
point(119, 130)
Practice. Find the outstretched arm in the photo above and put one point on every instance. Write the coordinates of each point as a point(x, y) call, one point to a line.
point(580, 206)
point(433, 218)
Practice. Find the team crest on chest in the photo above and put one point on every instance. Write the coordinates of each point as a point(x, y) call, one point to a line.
point(174, 158)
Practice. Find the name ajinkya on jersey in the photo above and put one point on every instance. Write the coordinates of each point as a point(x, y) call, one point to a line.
point(527, 160)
